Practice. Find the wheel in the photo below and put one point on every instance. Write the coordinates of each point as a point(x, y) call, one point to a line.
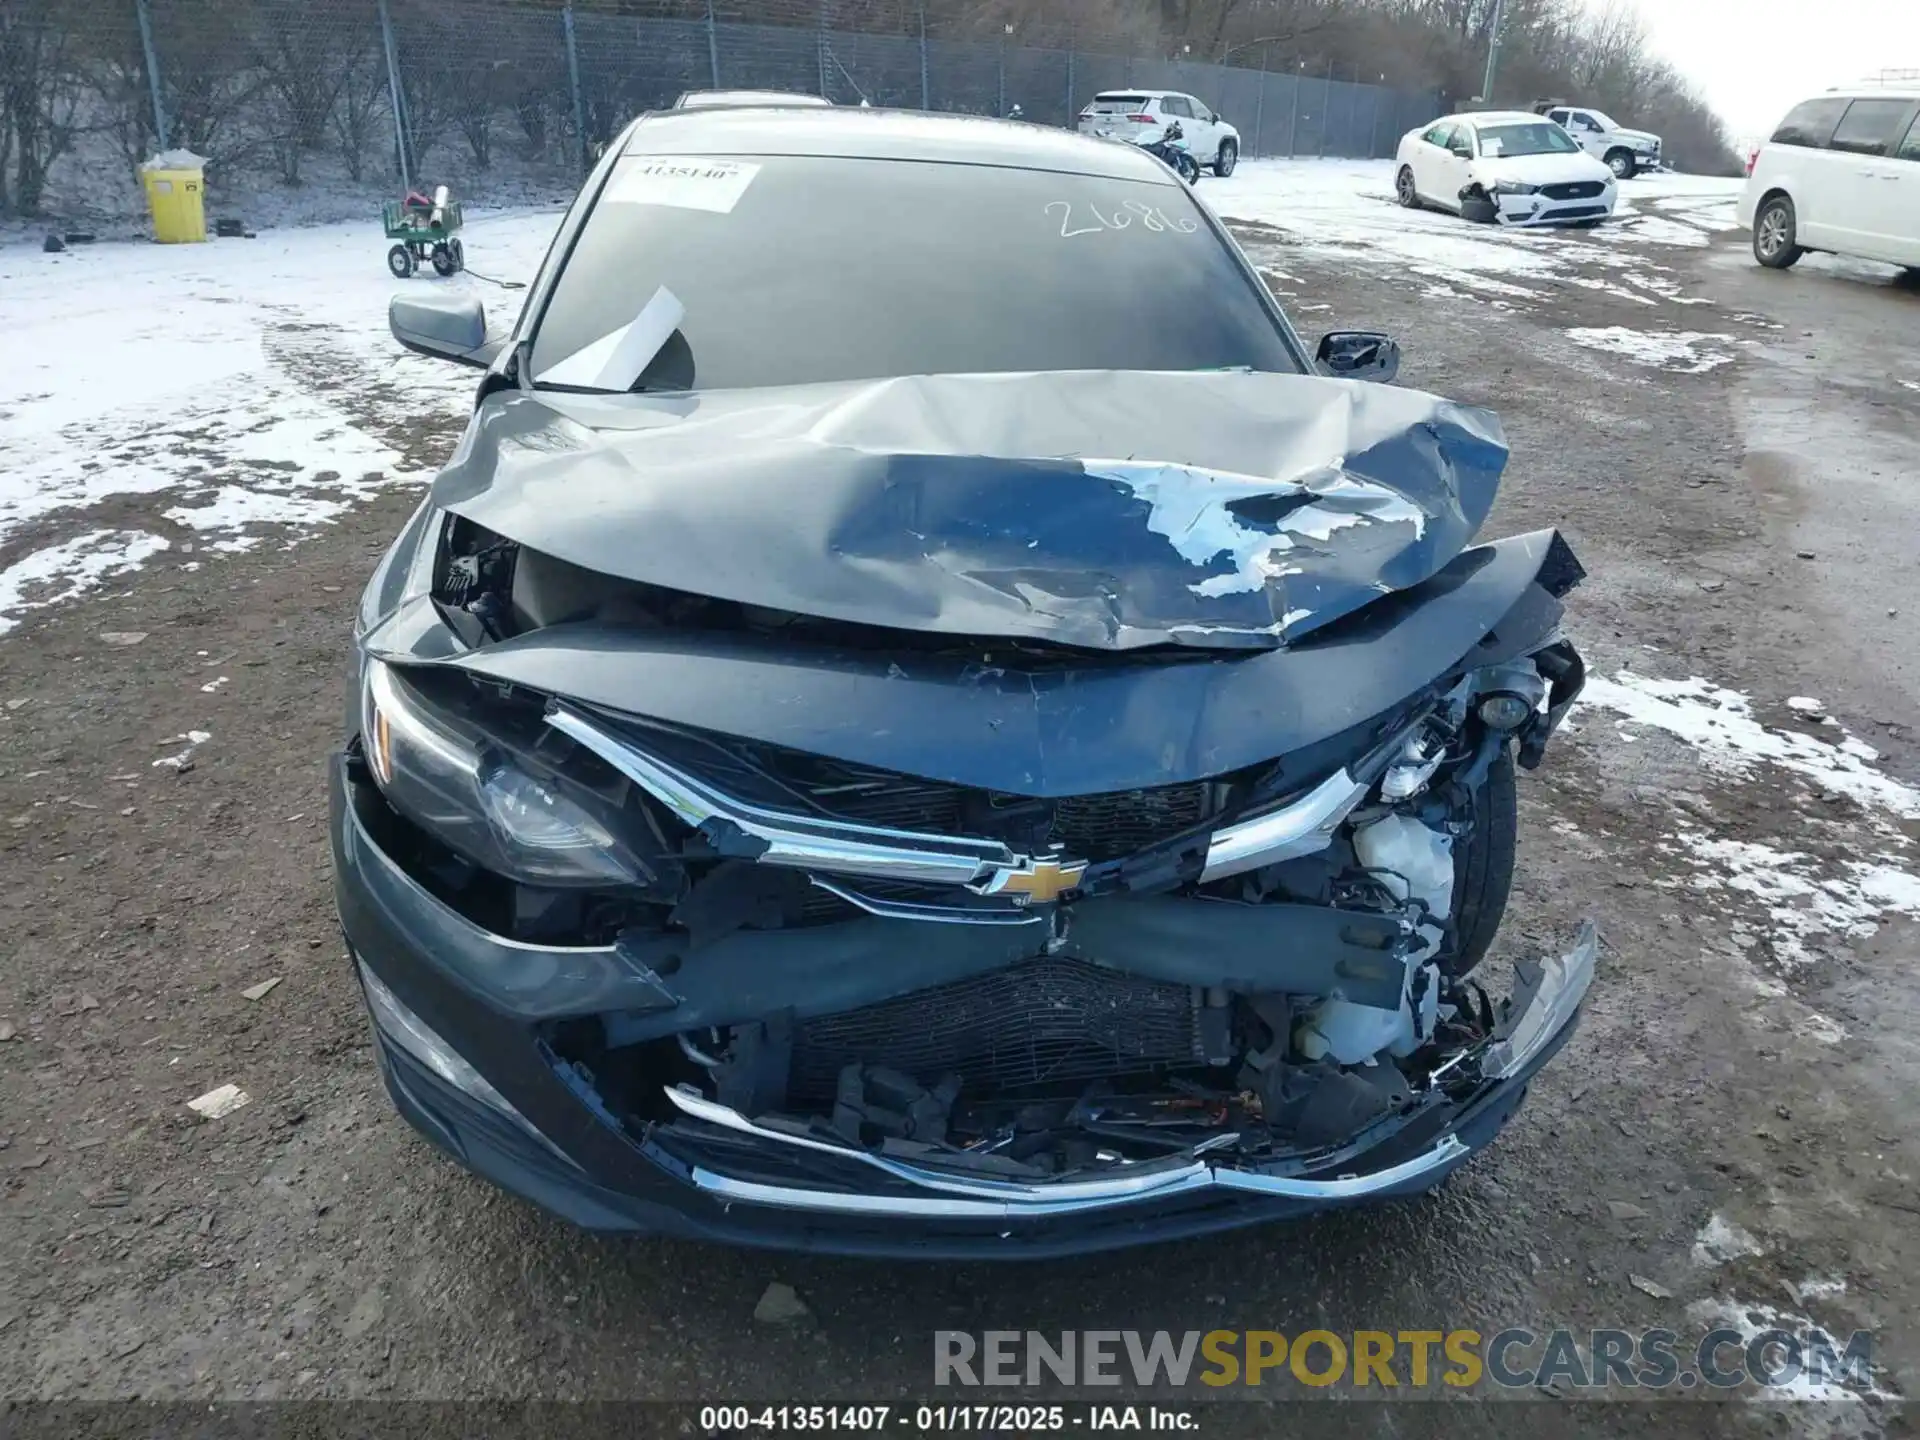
point(1229, 156)
point(1483, 869)
point(1405, 190)
point(400, 262)
point(1622, 164)
point(1773, 230)
point(1189, 169)
point(443, 262)
point(459, 253)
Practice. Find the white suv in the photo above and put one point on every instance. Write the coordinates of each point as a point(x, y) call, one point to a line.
point(1841, 173)
point(1139, 115)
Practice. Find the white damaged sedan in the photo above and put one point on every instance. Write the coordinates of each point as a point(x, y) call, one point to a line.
point(1503, 167)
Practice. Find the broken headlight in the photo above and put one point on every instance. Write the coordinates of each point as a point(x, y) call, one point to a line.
point(1514, 187)
point(487, 798)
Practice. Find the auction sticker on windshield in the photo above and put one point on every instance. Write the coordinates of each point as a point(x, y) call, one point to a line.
point(687, 182)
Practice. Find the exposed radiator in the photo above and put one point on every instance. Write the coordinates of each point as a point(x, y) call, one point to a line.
point(1044, 1027)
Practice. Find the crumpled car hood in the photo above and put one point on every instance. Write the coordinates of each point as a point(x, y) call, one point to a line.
point(1100, 509)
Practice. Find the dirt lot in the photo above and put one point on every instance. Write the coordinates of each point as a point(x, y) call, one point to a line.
point(1733, 1125)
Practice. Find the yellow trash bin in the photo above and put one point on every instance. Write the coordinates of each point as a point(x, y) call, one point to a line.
point(176, 197)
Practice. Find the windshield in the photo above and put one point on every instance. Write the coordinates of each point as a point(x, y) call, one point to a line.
point(705, 273)
point(1542, 137)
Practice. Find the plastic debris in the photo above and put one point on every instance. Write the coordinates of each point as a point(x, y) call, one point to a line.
point(183, 761)
point(779, 1305)
point(262, 990)
point(216, 1103)
point(1649, 1287)
point(122, 637)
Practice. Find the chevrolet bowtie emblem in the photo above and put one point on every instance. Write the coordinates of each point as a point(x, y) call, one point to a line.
point(1043, 880)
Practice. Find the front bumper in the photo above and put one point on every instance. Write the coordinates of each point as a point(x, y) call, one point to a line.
point(1528, 210)
point(540, 1132)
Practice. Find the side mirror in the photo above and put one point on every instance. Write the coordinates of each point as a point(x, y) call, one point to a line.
point(1358, 355)
point(447, 327)
point(1462, 149)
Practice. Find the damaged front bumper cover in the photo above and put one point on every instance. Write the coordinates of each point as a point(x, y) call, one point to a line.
point(1543, 1011)
point(713, 1173)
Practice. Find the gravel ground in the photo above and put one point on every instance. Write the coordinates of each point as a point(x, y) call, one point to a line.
point(1749, 523)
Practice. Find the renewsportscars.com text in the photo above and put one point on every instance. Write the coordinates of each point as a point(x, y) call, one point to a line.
point(1514, 1358)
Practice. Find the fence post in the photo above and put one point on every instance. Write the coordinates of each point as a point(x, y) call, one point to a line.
point(1260, 99)
point(1071, 125)
point(153, 73)
point(1326, 113)
point(713, 47)
point(1373, 130)
point(396, 96)
point(573, 81)
point(1002, 113)
point(820, 48)
point(926, 90)
point(1293, 109)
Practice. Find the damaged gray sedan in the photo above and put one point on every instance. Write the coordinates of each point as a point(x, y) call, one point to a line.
point(920, 717)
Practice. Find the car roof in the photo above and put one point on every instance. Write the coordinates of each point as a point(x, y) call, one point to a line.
point(871, 134)
point(1496, 117)
point(695, 98)
point(1135, 90)
point(1869, 92)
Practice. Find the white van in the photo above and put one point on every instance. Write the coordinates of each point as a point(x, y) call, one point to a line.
point(1841, 173)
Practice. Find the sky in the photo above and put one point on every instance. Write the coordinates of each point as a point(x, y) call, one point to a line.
point(1755, 59)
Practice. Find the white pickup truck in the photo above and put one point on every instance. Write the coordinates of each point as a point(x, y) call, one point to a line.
point(1627, 152)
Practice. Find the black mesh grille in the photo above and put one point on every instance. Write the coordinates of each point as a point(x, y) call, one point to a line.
point(1106, 827)
point(1047, 1026)
point(1087, 827)
point(1573, 190)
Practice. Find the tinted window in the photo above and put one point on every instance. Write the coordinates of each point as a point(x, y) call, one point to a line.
point(1541, 138)
point(1176, 105)
point(1559, 117)
point(1867, 127)
point(1108, 104)
point(1910, 147)
point(1439, 135)
point(793, 272)
point(1810, 123)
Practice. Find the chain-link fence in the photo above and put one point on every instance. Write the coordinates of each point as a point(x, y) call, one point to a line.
point(386, 90)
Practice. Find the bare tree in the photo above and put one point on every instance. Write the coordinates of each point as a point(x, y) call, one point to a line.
point(41, 96)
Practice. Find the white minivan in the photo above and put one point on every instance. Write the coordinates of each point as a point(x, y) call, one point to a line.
point(1841, 173)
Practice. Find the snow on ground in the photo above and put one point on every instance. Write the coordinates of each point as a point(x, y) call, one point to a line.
point(226, 393)
point(1686, 352)
point(1345, 210)
point(1784, 897)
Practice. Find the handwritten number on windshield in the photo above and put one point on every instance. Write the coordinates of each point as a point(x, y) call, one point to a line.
point(1152, 219)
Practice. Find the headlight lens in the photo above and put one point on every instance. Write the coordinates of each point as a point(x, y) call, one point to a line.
point(484, 798)
point(1514, 187)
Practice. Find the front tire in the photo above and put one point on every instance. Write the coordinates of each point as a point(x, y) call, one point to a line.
point(400, 262)
point(1405, 190)
point(1622, 164)
point(1227, 159)
point(1775, 229)
point(1483, 869)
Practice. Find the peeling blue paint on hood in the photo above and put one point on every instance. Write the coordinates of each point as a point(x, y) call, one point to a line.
point(1107, 510)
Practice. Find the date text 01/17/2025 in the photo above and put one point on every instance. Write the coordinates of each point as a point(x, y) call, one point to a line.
point(969, 1419)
